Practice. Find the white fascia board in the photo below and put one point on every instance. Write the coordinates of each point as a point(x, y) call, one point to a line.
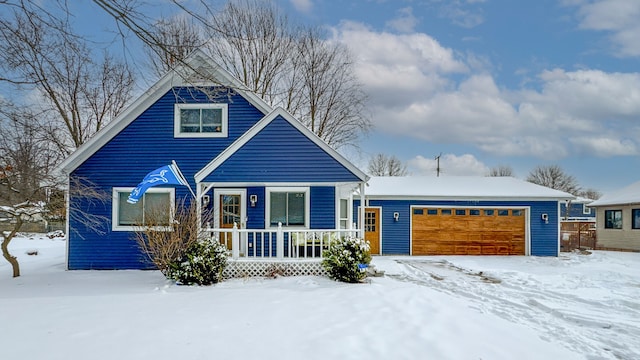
point(259, 126)
point(173, 78)
point(456, 198)
point(272, 184)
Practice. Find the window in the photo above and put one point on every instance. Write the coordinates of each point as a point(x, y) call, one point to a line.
point(288, 206)
point(432, 211)
point(503, 212)
point(613, 219)
point(489, 212)
point(516, 212)
point(200, 120)
point(635, 218)
point(154, 209)
point(445, 212)
point(474, 212)
point(418, 211)
point(344, 213)
point(586, 210)
point(461, 212)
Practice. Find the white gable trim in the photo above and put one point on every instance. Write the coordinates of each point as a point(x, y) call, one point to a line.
point(198, 60)
point(259, 126)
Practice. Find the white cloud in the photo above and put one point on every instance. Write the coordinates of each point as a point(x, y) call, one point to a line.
point(605, 147)
point(618, 17)
point(404, 22)
point(304, 6)
point(450, 164)
point(421, 89)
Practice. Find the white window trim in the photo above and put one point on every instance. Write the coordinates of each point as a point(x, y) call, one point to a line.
point(115, 201)
point(586, 210)
point(216, 205)
point(176, 120)
point(307, 205)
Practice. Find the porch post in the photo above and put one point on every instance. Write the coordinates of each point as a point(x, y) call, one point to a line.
point(199, 206)
point(235, 242)
point(280, 242)
point(361, 214)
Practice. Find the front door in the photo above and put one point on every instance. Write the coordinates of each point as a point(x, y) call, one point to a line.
point(372, 229)
point(230, 206)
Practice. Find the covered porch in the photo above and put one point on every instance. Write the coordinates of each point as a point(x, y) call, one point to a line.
point(278, 251)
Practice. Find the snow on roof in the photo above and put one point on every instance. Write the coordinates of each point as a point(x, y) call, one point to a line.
point(466, 187)
point(626, 195)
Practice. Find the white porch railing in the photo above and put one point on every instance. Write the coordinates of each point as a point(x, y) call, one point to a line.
point(278, 243)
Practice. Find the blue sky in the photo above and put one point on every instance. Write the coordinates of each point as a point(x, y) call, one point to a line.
point(492, 82)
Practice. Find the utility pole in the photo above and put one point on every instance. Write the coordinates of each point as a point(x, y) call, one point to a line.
point(438, 164)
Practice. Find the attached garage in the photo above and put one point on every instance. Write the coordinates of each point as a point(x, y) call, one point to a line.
point(462, 215)
point(467, 231)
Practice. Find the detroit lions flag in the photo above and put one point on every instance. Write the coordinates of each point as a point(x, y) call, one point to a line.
point(166, 175)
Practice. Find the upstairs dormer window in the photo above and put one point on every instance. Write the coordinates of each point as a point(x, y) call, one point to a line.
point(201, 120)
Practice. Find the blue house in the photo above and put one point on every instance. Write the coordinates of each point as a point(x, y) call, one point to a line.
point(275, 188)
point(464, 215)
point(578, 210)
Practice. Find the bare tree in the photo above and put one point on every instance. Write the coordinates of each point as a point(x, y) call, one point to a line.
point(590, 193)
point(501, 170)
point(333, 101)
point(26, 162)
point(177, 38)
point(254, 41)
point(79, 95)
point(554, 177)
point(384, 165)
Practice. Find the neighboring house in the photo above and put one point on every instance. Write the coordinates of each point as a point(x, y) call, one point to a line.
point(577, 225)
point(618, 219)
point(464, 215)
point(579, 210)
point(253, 165)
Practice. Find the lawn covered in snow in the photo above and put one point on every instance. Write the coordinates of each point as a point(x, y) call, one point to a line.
point(572, 307)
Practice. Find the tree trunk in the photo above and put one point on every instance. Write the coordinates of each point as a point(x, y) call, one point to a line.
point(6, 239)
point(10, 258)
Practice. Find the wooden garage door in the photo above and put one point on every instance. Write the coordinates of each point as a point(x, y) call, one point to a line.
point(469, 231)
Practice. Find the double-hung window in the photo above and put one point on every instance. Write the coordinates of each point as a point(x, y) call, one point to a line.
point(288, 206)
point(613, 219)
point(344, 213)
point(201, 120)
point(153, 209)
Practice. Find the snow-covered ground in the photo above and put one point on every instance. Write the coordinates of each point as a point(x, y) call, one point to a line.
point(571, 307)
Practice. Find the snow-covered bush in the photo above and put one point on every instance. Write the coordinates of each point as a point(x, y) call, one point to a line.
point(201, 264)
point(346, 259)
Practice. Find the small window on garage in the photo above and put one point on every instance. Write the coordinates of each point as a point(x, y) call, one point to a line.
point(461, 211)
point(418, 211)
point(489, 212)
point(503, 212)
point(517, 212)
point(474, 212)
point(445, 212)
point(432, 211)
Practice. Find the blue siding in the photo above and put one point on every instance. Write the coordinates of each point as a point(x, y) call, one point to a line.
point(576, 210)
point(323, 207)
point(396, 234)
point(281, 153)
point(146, 144)
point(255, 215)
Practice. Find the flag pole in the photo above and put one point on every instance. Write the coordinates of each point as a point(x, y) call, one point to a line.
point(175, 165)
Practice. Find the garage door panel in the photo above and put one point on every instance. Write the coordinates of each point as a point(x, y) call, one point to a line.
point(474, 233)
